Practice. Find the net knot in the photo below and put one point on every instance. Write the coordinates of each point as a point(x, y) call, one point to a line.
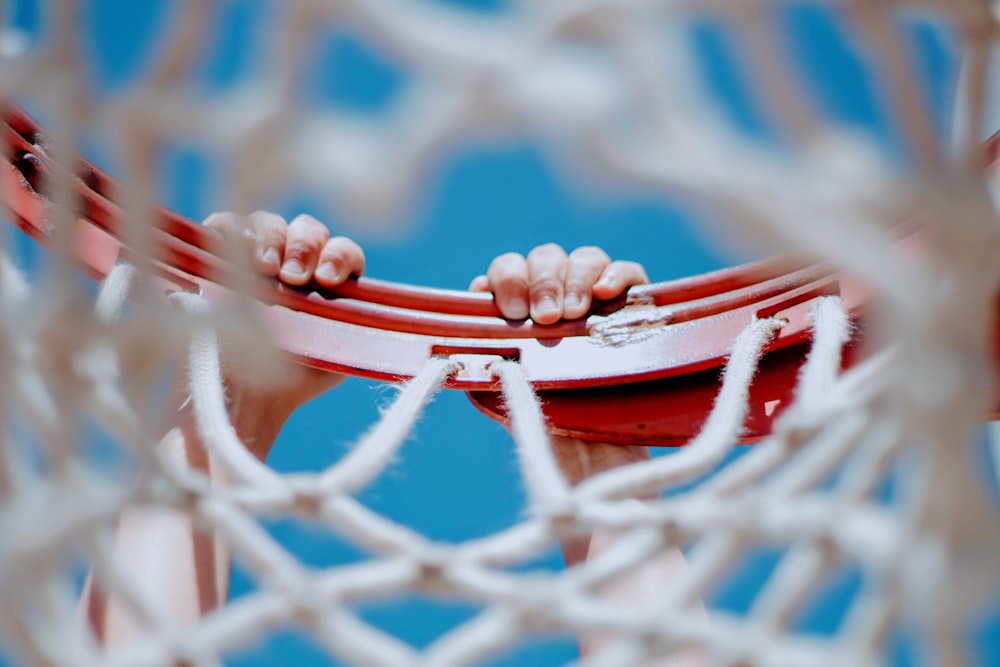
point(563, 524)
point(539, 605)
point(310, 606)
point(432, 564)
point(307, 495)
point(185, 652)
point(563, 516)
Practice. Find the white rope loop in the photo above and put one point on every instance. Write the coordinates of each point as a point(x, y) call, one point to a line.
point(634, 109)
point(114, 293)
point(715, 439)
point(208, 397)
point(547, 487)
point(831, 332)
point(376, 449)
point(814, 405)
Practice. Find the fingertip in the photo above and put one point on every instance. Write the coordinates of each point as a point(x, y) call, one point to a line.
point(328, 274)
point(618, 277)
point(293, 272)
point(513, 307)
point(546, 310)
point(607, 289)
point(216, 221)
point(268, 260)
point(269, 231)
point(479, 284)
point(339, 259)
point(575, 305)
point(547, 268)
point(508, 280)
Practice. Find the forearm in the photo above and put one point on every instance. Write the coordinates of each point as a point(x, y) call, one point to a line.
point(185, 570)
point(641, 587)
point(581, 460)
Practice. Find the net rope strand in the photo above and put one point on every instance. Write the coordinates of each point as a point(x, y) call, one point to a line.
point(208, 399)
point(814, 488)
point(546, 485)
point(373, 452)
point(718, 434)
point(818, 380)
point(532, 441)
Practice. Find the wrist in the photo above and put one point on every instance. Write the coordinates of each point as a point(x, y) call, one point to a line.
point(258, 416)
point(581, 460)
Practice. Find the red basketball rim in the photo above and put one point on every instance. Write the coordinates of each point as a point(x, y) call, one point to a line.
point(647, 388)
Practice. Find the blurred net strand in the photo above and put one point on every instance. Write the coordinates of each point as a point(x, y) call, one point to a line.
point(256, 543)
point(862, 423)
point(477, 78)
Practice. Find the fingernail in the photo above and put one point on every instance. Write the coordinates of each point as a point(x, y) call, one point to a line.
point(546, 305)
point(573, 300)
point(271, 257)
point(517, 308)
point(328, 272)
point(293, 267)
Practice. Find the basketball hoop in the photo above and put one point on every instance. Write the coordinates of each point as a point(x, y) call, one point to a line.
point(904, 257)
point(678, 333)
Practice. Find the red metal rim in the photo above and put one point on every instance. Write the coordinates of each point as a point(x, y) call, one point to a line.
point(386, 330)
point(410, 323)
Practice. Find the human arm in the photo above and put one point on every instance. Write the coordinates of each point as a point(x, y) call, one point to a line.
point(540, 285)
point(642, 587)
point(186, 571)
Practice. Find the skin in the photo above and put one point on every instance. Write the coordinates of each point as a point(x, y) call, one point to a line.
point(548, 285)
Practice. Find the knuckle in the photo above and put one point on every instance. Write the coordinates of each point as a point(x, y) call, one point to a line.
point(302, 248)
point(510, 284)
point(309, 225)
point(632, 270)
point(510, 263)
point(265, 217)
point(579, 285)
point(589, 253)
point(509, 258)
point(223, 222)
point(214, 220)
point(344, 253)
point(266, 223)
point(546, 251)
point(343, 246)
point(545, 287)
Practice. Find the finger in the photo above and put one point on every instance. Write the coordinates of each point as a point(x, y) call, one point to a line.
point(617, 277)
point(236, 235)
point(585, 268)
point(303, 243)
point(480, 284)
point(339, 259)
point(221, 222)
point(508, 278)
point(269, 232)
point(546, 277)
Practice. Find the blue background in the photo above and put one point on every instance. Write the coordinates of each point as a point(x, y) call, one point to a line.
point(457, 476)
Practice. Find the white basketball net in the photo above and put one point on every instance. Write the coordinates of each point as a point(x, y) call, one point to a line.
point(609, 87)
